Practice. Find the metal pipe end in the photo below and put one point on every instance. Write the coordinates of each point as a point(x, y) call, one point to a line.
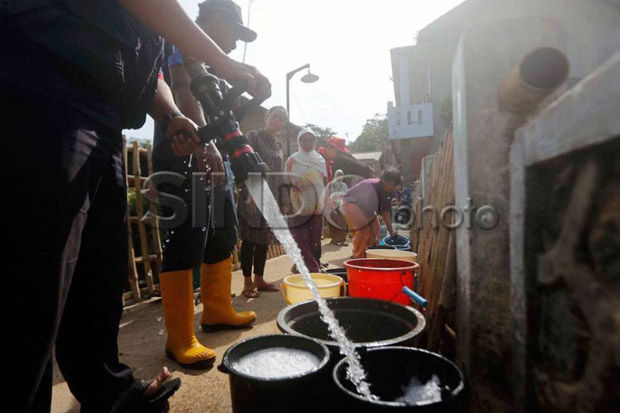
point(539, 73)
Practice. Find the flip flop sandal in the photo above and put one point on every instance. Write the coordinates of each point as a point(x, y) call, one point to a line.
point(134, 400)
point(250, 293)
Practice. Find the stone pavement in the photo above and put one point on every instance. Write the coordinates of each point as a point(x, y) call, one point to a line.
point(142, 339)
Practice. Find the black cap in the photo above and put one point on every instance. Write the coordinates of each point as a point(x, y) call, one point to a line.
point(233, 11)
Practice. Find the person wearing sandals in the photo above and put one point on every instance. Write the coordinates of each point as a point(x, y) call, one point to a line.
point(306, 175)
point(254, 231)
point(210, 244)
point(74, 74)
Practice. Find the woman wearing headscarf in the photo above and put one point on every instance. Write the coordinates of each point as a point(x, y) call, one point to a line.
point(307, 176)
point(337, 226)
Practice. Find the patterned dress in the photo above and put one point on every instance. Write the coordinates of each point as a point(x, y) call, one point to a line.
point(252, 225)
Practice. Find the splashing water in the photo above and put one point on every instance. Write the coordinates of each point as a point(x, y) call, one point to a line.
point(416, 392)
point(268, 206)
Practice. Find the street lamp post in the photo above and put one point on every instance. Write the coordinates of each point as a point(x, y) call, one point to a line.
point(307, 78)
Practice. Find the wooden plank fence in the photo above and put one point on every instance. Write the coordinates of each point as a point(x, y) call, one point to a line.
point(435, 244)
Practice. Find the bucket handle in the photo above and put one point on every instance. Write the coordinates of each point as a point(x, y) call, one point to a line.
point(415, 297)
point(343, 288)
point(221, 367)
point(284, 294)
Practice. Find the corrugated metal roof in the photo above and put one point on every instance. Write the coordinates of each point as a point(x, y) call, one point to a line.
point(368, 156)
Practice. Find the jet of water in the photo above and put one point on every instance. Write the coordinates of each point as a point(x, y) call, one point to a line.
point(264, 199)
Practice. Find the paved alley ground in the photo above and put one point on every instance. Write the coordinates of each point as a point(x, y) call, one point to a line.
point(142, 339)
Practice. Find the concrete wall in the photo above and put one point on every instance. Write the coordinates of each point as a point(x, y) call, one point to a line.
point(589, 33)
point(592, 27)
point(565, 251)
point(483, 133)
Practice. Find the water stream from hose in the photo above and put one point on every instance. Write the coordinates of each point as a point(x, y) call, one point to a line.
point(265, 201)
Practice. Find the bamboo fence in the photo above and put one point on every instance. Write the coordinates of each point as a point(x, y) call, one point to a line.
point(435, 244)
point(150, 252)
point(149, 256)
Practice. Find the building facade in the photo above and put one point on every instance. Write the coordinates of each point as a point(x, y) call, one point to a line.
point(422, 73)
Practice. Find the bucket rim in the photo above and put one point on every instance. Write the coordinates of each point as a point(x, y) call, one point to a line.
point(406, 265)
point(232, 371)
point(320, 274)
point(420, 323)
point(333, 270)
point(374, 251)
point(456, 391)
point(388, 238)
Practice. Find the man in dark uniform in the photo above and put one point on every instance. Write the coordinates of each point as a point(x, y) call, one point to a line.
point(74, 73)
point(210, 242)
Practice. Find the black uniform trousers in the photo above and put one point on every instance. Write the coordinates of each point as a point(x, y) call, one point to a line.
point(65, 233)
point(205, 227)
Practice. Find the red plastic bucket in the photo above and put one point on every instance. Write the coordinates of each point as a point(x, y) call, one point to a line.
point(380, 278)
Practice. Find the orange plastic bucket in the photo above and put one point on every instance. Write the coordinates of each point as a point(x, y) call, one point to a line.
point(381, 278)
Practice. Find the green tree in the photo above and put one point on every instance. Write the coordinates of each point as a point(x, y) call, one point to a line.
point(142, 142)
point(374, 136)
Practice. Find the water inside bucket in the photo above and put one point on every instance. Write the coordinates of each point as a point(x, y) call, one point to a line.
point(263, 198)
point(369, 321)
point(407, 379)
point(415, 392)
point(276, 363)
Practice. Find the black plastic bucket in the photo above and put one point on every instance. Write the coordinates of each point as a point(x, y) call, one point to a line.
point(390, 369)
point(398, 242)
point(340, 272)
point(368, 322)
point(289, 394)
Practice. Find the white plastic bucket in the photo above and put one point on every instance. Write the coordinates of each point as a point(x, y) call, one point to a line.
point(392, 254)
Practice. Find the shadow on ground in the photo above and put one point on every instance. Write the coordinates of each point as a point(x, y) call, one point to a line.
point(142, 341)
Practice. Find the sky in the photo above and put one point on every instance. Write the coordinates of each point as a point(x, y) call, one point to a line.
point(347, 44)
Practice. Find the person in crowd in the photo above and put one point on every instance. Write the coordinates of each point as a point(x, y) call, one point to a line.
point(209, 245)
point(332, 150)
point(254, 231)
point(337, 226)
point(364, 203)
point(75, 73)
point(306, 174)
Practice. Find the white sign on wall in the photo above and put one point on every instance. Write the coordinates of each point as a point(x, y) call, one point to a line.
point(413, 121)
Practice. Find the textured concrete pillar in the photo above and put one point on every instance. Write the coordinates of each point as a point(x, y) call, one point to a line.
point(565, 250)
point(483, 134)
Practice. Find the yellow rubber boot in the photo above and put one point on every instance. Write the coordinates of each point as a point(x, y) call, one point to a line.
point(217, 310)
point(178, 302)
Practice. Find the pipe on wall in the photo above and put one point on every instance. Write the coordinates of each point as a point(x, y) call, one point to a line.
point(539, 73)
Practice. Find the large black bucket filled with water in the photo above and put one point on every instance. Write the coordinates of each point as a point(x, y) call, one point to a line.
point(405, 379)
point(368, 322)
point(278, 373)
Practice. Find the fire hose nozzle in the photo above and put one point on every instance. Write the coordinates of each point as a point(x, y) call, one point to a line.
point(221, 122)
point(246, 164)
